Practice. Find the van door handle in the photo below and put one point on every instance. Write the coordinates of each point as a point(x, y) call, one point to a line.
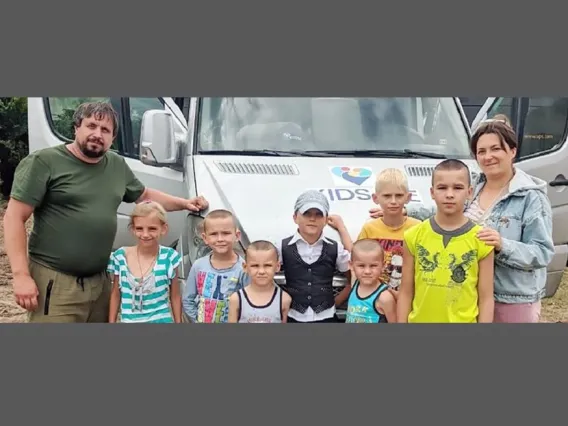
point(560, 180)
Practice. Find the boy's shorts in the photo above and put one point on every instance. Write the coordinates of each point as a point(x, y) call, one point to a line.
point(68, 299)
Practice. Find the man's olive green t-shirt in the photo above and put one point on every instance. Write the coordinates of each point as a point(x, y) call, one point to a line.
point(76, 203)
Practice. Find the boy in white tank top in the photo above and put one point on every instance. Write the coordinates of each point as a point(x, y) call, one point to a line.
point(262, 301)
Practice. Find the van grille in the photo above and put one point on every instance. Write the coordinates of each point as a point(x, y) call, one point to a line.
point(426, 171)
point(257, 168)
point(419, 170)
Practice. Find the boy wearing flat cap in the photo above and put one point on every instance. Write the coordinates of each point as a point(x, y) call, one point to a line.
point(310, 260)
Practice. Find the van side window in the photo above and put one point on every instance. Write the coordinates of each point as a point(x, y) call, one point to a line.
point(471, 106)
point(545, 126)
point(502, 106)
point(138, 106)
point(60, 111)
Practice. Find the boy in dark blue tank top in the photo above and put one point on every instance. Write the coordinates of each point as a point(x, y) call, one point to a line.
point(369, 300)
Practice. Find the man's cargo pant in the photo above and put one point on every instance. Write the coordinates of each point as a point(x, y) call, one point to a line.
point(69, 299)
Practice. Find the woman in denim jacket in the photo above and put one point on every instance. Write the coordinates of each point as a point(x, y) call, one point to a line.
point(514, 209)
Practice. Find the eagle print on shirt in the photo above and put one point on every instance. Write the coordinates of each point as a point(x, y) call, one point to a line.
point(429, 263)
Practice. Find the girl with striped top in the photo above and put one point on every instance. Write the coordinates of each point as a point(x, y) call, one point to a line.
point(145, 280)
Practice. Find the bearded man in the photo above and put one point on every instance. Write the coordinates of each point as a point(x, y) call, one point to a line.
point(74, 191)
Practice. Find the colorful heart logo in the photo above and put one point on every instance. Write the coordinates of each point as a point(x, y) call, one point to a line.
point(356, 175)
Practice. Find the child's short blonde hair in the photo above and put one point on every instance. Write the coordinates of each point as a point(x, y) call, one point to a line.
point(147, 208)
point(367, 245)
point(393, 177)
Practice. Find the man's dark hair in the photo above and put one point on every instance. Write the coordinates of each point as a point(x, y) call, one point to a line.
point(99, 110)
point(451, 164)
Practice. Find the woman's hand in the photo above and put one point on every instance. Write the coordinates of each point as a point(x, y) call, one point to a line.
point(490, 237)
point(377, 212)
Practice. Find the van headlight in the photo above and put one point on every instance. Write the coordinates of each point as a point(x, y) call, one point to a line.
point(197, 247)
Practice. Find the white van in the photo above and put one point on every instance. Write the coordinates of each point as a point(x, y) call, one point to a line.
point(254, 156)
point(541, 124)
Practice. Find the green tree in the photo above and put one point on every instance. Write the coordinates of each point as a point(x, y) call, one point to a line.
point(13, 138)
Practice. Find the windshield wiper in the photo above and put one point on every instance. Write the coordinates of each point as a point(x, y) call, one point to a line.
point(401, 153)
point(425, 154)
point(270, 152)
point(388, 153)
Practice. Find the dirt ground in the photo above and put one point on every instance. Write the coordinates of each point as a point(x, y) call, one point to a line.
point(554, 309)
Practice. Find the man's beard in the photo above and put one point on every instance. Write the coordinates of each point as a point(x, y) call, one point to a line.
point(84, 147)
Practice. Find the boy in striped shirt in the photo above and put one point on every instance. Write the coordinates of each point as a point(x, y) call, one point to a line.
point(214, 277)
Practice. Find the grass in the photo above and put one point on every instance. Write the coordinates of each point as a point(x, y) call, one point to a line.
point(555, 308)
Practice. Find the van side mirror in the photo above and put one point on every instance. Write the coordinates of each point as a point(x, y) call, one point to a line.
point(158, 145)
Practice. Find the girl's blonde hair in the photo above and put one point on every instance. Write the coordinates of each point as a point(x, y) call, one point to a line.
point(147, 208)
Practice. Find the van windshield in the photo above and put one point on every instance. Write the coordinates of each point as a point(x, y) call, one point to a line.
point(332, 126)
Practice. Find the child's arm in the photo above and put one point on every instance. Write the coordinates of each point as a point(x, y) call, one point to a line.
point(342, 265)
point(114, 300)
point(394, 293)
point(336, 222)
point(343, 295)
point(386, 304)
point(234, 308)
point(113, 269)
point(406, 292)
point(190, 293)
point(486, 301)
point(286, 302)
point(175, 298)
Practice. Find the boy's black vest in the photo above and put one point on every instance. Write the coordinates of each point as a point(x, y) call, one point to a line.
point(310, 286)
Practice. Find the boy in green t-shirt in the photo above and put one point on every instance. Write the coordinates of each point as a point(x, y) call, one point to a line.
point(447, 274)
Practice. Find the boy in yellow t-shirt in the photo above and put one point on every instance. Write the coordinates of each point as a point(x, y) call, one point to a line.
point(392, 195)
point(448, 272)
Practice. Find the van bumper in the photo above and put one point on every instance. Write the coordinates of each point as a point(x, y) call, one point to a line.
point(556, 270)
